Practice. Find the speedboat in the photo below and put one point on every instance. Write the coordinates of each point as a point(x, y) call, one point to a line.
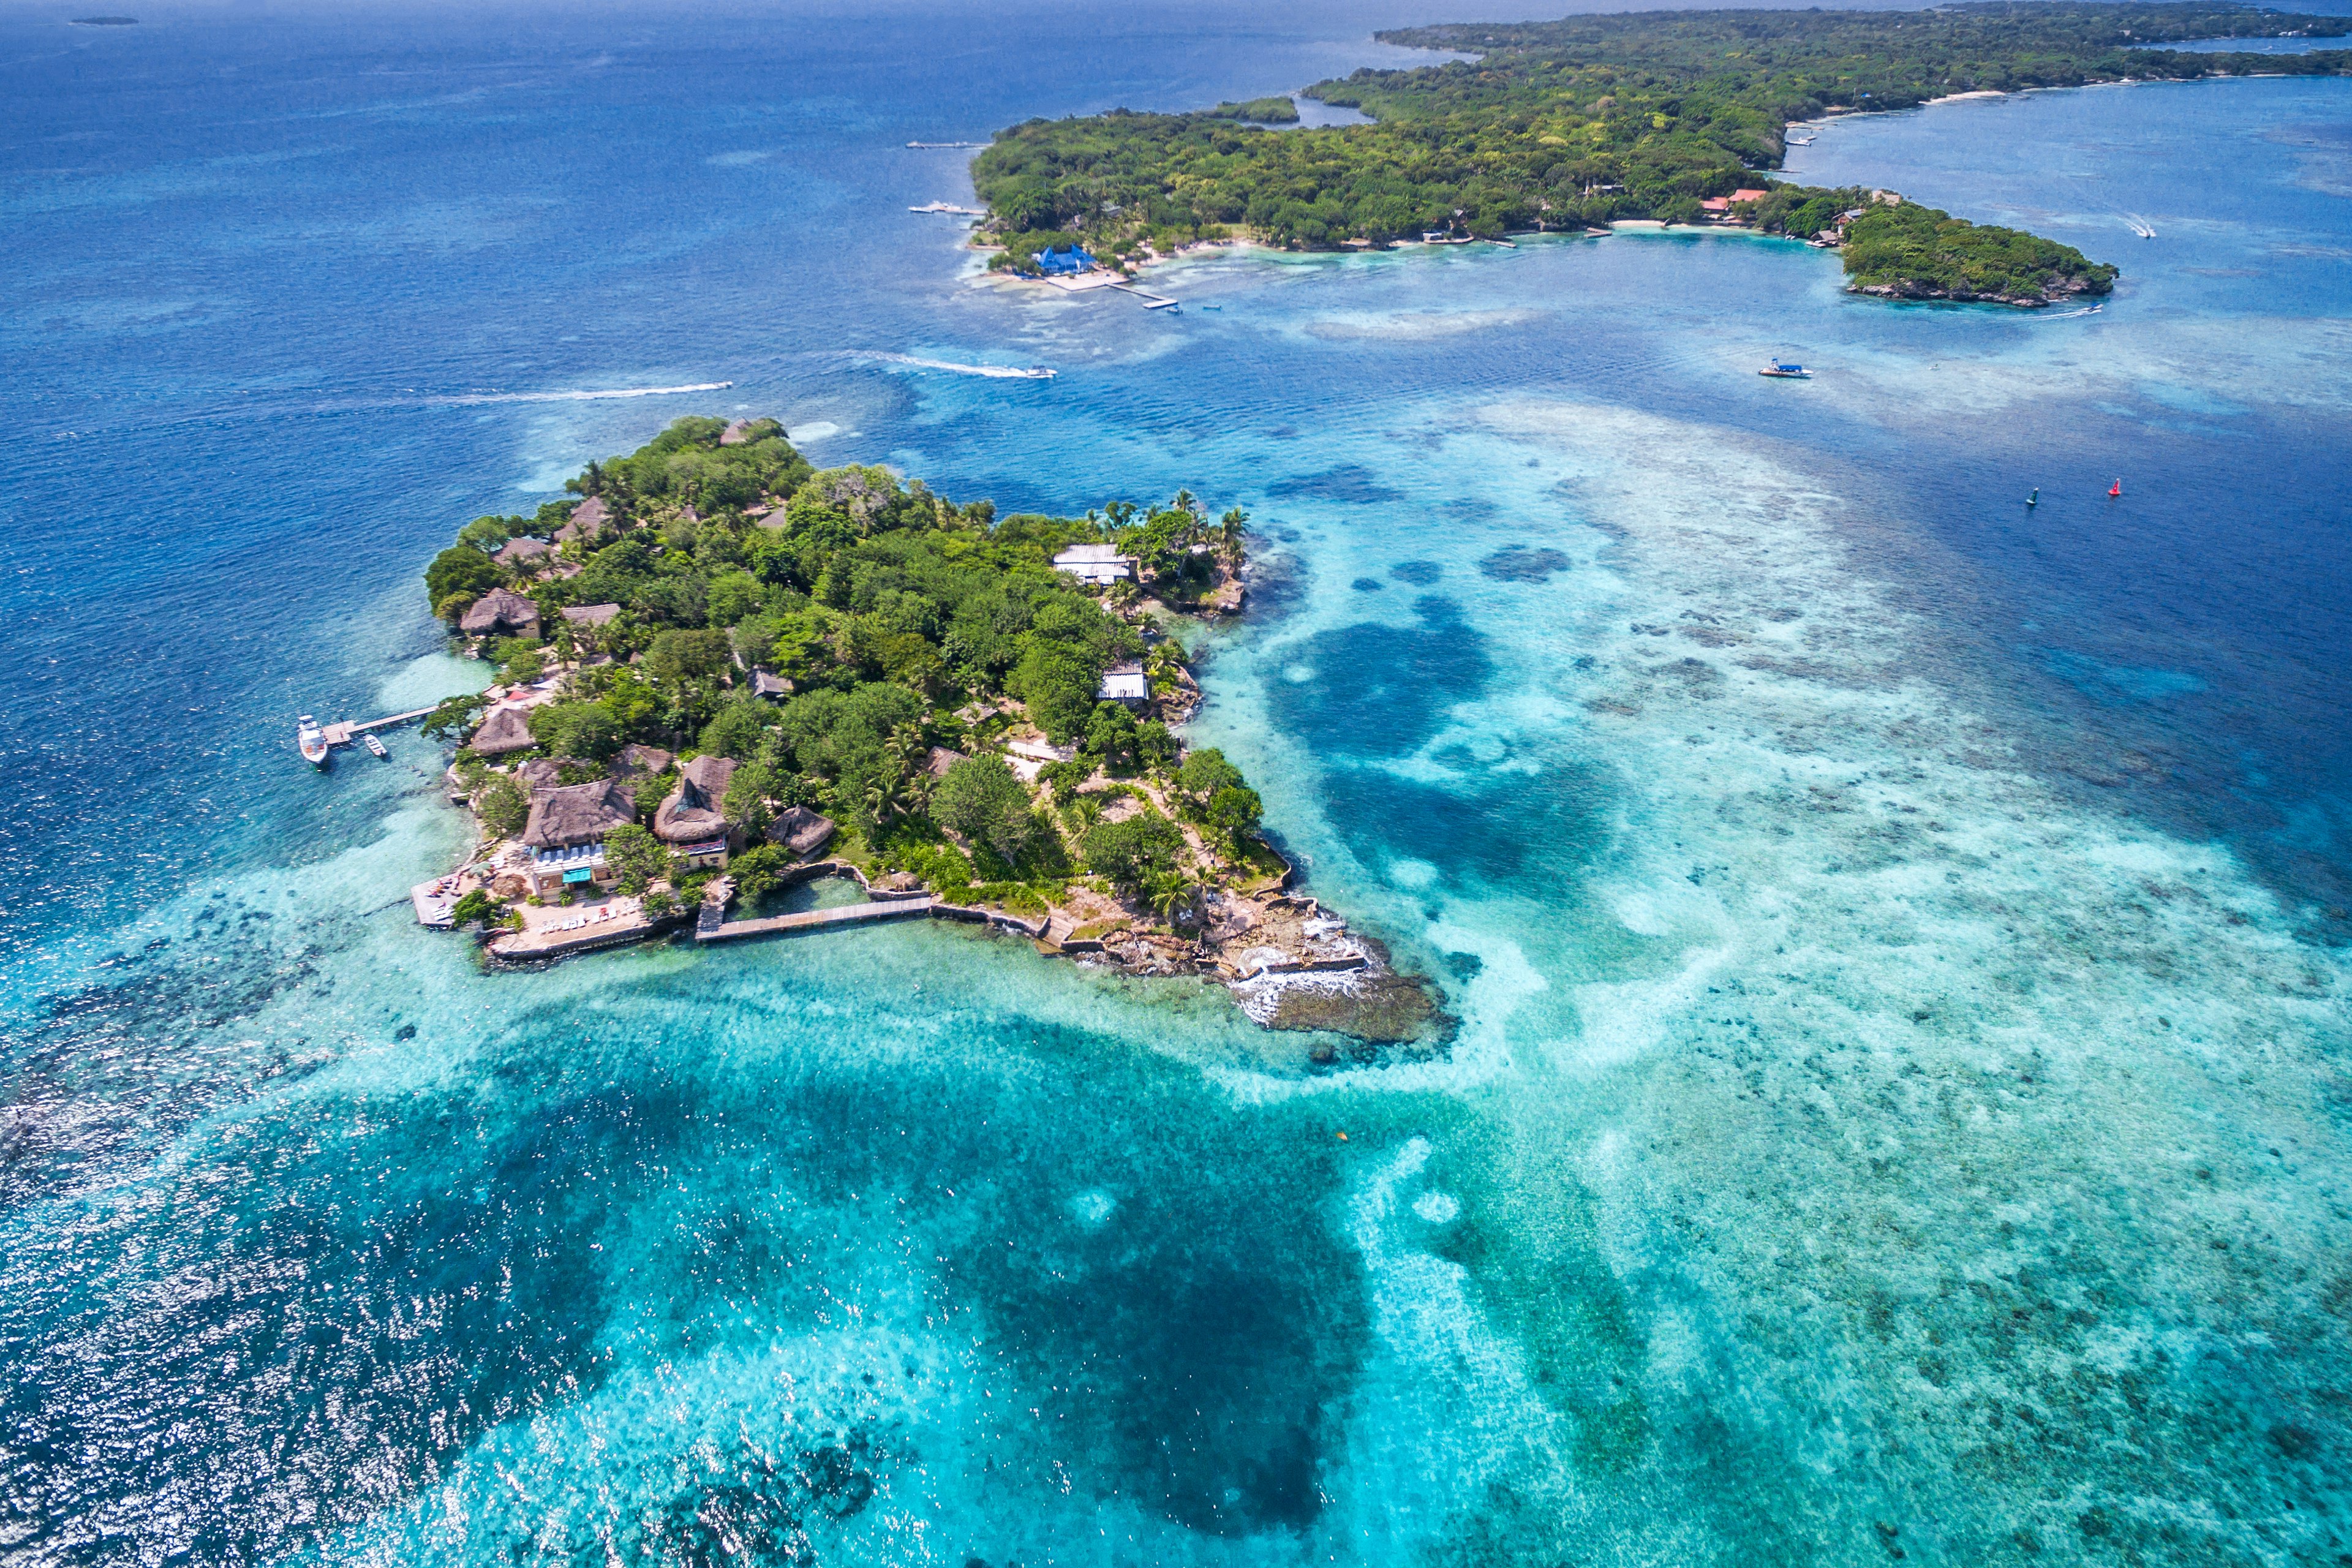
point(312, 740)
point(1786, 371)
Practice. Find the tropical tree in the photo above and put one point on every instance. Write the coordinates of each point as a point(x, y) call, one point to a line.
point(500, 801)
point(1164, 663)
point(637, 858)
point(1175, 895)
point(1129, 852)
point(984, 802)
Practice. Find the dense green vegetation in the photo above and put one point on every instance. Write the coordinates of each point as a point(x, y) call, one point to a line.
point(901, 622)
point(1266, 110)
point(1562, 124)
point(1917, 250)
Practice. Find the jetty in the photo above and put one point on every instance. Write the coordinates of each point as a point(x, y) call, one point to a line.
point(812, 920)
point(939, 146)
point(950, 207)
point(1151, 302)
point(343, 731)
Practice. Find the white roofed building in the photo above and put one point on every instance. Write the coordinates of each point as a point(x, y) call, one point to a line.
point(1097, 564)
point(1124, 684)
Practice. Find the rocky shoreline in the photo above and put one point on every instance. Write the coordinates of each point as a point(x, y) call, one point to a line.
point(2056, 294)
point(1045, 790)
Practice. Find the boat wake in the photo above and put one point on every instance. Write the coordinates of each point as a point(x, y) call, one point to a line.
point(475, 397)
point(994, 371)
point(2070, 315)
point(2139, 226)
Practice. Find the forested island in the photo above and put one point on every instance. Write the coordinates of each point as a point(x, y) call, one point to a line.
point(1567, 125)
point(722, 672)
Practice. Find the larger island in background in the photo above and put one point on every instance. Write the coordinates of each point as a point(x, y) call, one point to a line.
point(723, 674)
point(1663, 115)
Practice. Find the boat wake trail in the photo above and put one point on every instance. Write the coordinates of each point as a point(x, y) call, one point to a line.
point(994, 371)
point(475, 397)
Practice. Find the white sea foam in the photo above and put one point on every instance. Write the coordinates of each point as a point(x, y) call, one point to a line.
point(596, 395)
point(993, 371)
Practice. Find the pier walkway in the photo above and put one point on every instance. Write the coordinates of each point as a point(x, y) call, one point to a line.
point(343, 731)
point(811, 919)
point(1151, 302)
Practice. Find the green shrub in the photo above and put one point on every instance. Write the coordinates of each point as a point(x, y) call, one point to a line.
point(982, 800)
point(1128, 852)
point(501, 803)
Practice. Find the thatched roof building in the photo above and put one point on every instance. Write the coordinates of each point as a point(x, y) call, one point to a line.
point(577, 813)
point(523, 552)
point(941, 760)
point(693, 811)
point(744, 430)
point(774, 687)
point(801, 831)
point(640, 762)
point(589, 520)
point(506, 729)
point(500, 612)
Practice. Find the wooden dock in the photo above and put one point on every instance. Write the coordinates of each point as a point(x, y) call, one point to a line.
point(343, 731)
point(812, 920)
point(1151, 302)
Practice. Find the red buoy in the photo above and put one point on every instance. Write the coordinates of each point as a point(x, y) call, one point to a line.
point(2115, 489)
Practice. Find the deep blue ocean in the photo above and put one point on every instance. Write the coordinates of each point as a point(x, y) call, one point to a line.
point(1899, 937)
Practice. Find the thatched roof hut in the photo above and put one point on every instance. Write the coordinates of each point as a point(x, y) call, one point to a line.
point(506, 729)
point(941, 760)
point(577, 813)
point(523, 552)
point(590, 615)
point(589, 520)
point(640, 762)
point(745, 430)
point(500, 612)
point(692, 813)
point(801, 831)
point(774, 687)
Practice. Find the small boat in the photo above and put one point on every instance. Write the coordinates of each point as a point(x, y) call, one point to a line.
point(1788, 372)
point(372, 744)
point(312, 740)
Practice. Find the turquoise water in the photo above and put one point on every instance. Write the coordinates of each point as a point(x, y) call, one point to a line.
point(1897, 938)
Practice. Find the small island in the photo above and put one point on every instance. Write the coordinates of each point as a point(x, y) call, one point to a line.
point(723, 674)
point(1569, 126)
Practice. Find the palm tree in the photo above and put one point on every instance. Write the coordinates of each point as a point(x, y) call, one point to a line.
point(885, 799)
point(1174, 894)
point(1229, 535)
point(1166, 660)
point(909, 746)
